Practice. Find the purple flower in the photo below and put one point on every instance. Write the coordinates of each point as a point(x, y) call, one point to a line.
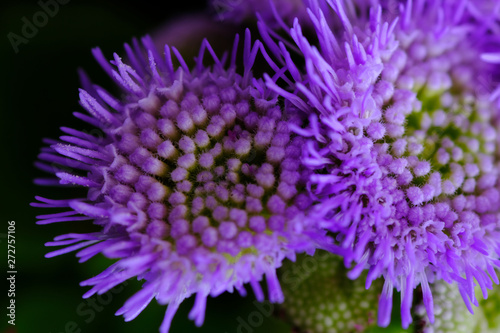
point(402, 140)
point(195, 184)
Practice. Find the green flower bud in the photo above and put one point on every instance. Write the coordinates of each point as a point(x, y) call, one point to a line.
point(320, 298)
point(451, 314)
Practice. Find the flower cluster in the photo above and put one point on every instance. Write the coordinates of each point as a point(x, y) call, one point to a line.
point(373, 135)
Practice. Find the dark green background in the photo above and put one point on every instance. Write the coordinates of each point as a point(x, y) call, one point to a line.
point(38, 93)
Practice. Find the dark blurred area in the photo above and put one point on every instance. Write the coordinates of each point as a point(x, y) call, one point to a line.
point(38, 93)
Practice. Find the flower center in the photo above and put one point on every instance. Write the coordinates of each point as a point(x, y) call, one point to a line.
point(448, 142)
point(212, 167)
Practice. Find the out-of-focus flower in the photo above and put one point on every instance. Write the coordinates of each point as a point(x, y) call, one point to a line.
point(195, 184)
point(402, 140)
point(238, 11)
point(319, 297)
point(187, 32)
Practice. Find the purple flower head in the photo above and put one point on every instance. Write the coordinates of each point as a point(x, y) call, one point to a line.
point(195, 183)
point(402, 138)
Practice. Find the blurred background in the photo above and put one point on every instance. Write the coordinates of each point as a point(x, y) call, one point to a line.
point(38, 93)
